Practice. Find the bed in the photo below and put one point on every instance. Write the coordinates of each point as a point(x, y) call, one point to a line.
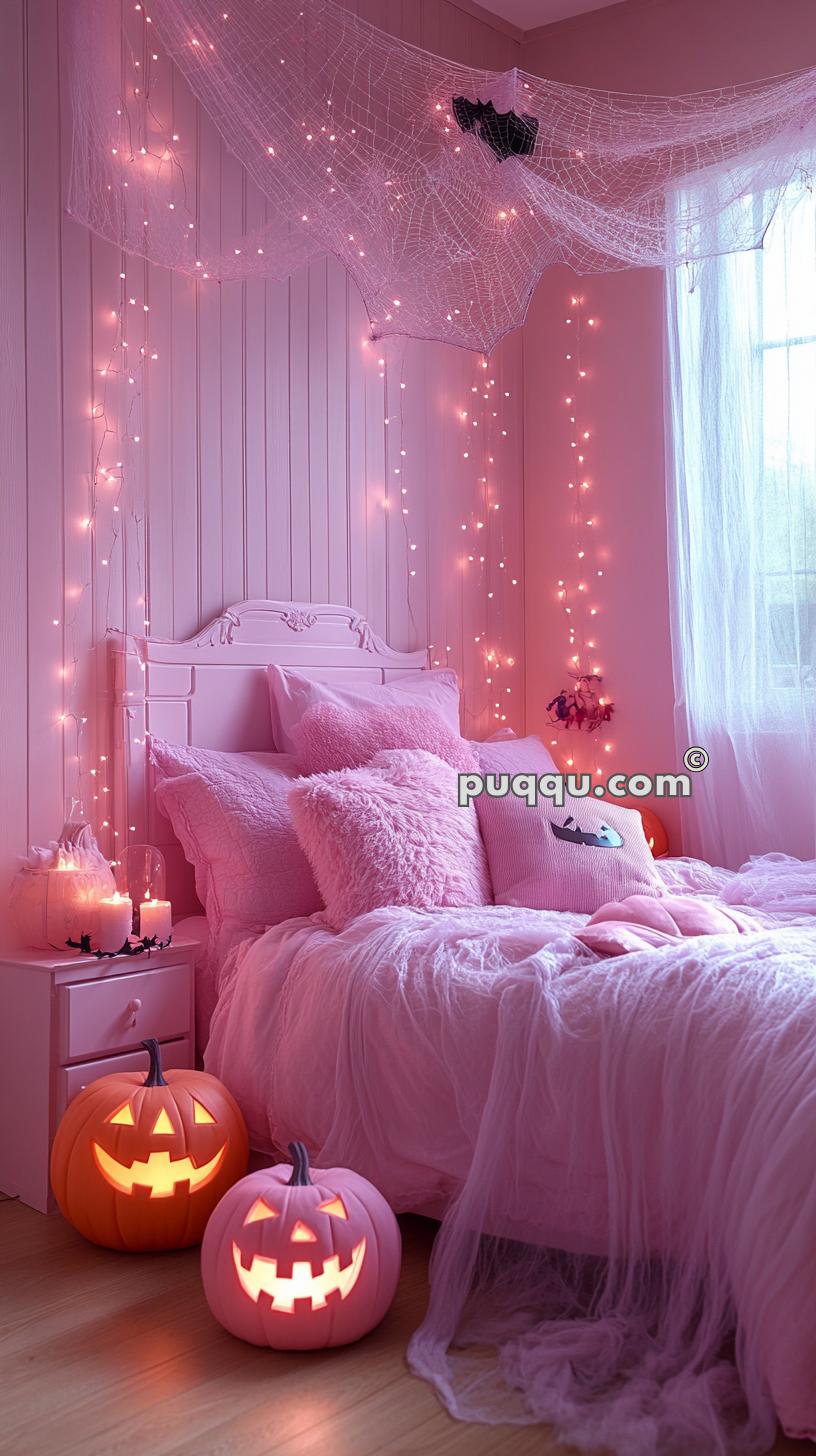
point(621, 1151)
point(210, 691)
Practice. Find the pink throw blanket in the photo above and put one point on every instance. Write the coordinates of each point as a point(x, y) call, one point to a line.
point(623, 1153)
point(641, 921)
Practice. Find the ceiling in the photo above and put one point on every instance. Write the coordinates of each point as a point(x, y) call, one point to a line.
point(528, 14)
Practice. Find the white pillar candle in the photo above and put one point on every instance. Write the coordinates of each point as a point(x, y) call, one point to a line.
point(68, 904)
point(155, 918)
point(114, 922)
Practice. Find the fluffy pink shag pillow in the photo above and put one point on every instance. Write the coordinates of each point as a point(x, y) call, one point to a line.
point(332, 736)
point(391, 833)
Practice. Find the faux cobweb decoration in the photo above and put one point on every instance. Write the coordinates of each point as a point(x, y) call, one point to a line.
point(361, 146)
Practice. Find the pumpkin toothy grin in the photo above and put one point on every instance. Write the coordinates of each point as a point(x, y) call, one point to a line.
point(158, 1172)
point(262, 1278)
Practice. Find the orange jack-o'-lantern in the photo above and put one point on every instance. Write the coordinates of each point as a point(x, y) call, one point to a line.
point(140, 1163)
point(299, 1264)
point(656, 836)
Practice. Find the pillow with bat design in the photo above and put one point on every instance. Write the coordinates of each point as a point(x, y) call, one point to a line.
point(576, 858)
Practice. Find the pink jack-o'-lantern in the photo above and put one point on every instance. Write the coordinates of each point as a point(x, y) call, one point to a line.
point(298, 1264)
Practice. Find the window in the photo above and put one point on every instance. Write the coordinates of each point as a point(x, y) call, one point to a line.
point(741, 431)
point(785, 273)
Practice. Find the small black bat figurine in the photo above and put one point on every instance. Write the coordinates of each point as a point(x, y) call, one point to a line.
point(505, 133)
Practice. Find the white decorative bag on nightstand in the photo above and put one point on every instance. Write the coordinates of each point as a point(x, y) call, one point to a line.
point(56, 888)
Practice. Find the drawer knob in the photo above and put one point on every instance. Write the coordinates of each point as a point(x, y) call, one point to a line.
point(134, 1006)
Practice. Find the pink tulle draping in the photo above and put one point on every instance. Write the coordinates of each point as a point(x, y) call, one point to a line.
point(620, 1150)
point(445, 216)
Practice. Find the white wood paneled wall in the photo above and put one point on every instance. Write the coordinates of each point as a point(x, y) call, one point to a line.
point(266, 460)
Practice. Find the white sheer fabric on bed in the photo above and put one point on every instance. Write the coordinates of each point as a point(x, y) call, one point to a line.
point(624, 1149)
point(742, 509)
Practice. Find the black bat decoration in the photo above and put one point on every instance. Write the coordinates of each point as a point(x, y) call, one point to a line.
point(505, 133)
point(606, 839)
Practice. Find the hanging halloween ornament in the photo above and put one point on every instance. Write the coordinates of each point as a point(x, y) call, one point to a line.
point(507, 134)
point(581, 706)
point(299, 1260)
point(140, 1162)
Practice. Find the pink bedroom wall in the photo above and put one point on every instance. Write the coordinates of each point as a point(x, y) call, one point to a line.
point(657, 46)
point(266, 459)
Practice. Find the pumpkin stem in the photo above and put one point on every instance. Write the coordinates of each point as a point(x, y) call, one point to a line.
point(300, 1166)
point(154, 1076)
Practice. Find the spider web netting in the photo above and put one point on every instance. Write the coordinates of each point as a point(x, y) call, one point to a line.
point(444, 212)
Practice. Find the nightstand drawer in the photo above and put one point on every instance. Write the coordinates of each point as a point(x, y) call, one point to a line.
point(73, 1079)
point(112, 1015)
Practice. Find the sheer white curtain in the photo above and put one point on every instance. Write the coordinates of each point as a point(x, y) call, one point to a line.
point(742, 534)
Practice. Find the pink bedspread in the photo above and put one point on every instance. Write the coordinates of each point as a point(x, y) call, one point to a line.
point(652, 1118)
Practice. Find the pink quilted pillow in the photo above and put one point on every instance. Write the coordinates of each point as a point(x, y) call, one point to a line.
point(230, 812)
point(390, 834)
point(508, 754)
point(291, 693)
point(576, 858)
point(330, 737)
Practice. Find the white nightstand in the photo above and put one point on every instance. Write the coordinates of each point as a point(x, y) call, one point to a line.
point(66, 1020)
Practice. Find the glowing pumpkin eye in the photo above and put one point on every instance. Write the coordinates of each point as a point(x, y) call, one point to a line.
point(124, 1117)
point(260, 1209)
point(335, 1206)
point(200, 1114)
point(163, 1123)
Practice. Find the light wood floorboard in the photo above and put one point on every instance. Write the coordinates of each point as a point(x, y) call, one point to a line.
point(105, 1354)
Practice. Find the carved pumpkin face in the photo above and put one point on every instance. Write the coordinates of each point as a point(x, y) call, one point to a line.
point(299, 1264)
point(140, 1164)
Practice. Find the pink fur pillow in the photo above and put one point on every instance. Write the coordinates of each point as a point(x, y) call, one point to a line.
point(331, 736)
point(576, 858)
point(390, 834)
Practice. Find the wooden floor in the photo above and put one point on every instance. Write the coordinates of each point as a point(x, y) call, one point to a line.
point(104, 1353)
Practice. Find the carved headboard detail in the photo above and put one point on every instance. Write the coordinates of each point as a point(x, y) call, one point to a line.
point(211, 692)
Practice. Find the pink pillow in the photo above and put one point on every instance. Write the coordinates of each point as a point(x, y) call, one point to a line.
point(231, 814)
point(390, 834)
point(508, 754)
point(290, 694)
point(641, 921)
point(330, 737)
point(547, 859)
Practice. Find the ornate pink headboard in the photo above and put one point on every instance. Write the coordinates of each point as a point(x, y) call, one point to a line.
point(211, 692)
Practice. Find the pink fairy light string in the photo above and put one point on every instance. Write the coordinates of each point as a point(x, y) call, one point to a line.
point(148, 158)
point(114, 525)
point(578, 590)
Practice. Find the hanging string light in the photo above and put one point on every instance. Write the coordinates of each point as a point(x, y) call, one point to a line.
point(113, 521)
point(584, 706)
